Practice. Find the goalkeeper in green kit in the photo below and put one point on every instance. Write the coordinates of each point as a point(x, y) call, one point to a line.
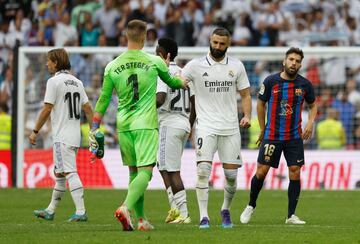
point(134, 75)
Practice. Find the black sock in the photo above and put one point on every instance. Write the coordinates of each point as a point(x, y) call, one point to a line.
point(256, 186)
point(293, 195)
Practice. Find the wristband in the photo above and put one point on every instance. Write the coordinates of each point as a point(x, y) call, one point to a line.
point(95, 123)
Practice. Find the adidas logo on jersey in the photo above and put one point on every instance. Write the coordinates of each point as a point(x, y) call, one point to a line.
point(205, 74)
point(238, 157)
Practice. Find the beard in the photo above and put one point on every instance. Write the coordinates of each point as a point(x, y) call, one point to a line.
point(217, 53)
point(291, 72)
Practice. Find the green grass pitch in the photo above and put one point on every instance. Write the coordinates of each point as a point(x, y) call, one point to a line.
point(332, 217)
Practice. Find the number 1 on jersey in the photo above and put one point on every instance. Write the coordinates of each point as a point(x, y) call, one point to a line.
point(133, 80)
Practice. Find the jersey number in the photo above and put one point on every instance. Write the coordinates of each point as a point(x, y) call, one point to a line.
point(269, 149)
point(200, 142)
point(133, 80)
point(186, 100)
point(73, 100)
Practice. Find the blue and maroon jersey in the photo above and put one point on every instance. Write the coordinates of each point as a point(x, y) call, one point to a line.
point(285, 99)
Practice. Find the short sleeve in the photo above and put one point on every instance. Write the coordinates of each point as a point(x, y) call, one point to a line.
point(84, 96)
point(50, 93)
point(310, 94)
point(242, 80)
point(191, 89)
point(187, 71)
point(161, 86)
point(265, 90)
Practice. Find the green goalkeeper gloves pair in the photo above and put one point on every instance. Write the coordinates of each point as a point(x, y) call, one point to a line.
point(96, 143)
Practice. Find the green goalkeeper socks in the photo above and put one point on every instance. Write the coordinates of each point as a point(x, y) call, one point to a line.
point(137, 188)
point(139, 205)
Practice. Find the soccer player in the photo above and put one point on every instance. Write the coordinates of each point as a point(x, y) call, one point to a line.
point(284, 94)
point(216, 79)
point(134, 75)
point(174, 128)
point(64, 98)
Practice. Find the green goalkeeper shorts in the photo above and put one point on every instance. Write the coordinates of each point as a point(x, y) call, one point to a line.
point(139, 147)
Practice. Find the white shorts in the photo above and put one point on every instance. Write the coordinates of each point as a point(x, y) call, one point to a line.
point(228, 147)
point(171, 147)
point(64, 158)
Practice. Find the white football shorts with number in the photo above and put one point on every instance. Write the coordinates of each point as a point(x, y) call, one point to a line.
point(174, 126)
point(228, 147)
point(64, 158)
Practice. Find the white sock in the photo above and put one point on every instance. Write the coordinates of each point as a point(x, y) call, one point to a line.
point(171, 197)
point(230, 187)
point(57, 194)
point(181, 203)
point(77, 192)
point(202, 188)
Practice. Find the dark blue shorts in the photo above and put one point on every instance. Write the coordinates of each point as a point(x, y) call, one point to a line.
point(270, 152)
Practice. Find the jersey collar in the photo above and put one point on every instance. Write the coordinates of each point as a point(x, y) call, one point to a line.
point(211, 61)
point(64, 71)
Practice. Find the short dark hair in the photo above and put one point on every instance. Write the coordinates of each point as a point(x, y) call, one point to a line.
point(136, 30)
point(295, 50)
point(167, 45)
point(61, 57)
point(220, 31)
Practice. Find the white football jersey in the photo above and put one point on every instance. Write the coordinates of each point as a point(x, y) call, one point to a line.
point(175, 111)
point(215, 87)
point(67, 94)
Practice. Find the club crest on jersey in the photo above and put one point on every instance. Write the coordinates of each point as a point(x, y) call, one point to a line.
point(298, 91)
point(231, 74)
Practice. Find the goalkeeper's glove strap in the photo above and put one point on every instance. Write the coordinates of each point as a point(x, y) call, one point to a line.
point(95, 123)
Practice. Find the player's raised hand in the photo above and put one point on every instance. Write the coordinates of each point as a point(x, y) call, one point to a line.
point(306, 135)
point(245, 122)
point(167, 59)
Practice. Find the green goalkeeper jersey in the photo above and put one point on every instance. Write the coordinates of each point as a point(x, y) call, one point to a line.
point(134, 75)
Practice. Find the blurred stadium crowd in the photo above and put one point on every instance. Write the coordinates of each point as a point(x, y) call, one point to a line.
point(190, 22)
